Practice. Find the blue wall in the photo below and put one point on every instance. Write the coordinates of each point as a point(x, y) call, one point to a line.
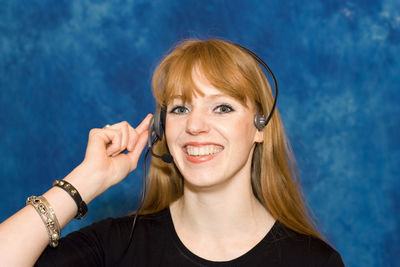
point(69, 66)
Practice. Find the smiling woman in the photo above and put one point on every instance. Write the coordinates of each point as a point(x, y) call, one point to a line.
point(226, 194)
point(192, 136)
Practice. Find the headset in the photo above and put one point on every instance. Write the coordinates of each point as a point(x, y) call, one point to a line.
point(157, 129)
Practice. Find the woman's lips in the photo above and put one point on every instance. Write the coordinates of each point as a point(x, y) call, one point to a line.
point(201, 152)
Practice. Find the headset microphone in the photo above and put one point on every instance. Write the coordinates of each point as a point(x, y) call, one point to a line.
point(167, 158)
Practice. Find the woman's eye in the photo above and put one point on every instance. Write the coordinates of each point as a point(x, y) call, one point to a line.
point(179, 110)
point(223, 108)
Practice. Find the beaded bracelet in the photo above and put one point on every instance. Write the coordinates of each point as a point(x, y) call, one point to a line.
point(48, 217)
point(71, 190)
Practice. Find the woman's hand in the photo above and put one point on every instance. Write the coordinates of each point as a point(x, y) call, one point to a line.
point(105, 162)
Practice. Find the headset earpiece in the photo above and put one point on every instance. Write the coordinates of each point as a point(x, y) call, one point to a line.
point(158, 122)
point(157, 126)
point(260, 121)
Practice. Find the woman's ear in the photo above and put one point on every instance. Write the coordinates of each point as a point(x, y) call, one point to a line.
point(259, 136)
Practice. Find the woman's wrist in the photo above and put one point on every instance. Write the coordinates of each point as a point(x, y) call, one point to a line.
point(88, 182)
point(65, 207)
point(74, 194)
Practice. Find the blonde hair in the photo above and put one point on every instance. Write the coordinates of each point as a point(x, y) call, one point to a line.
point(235, 73)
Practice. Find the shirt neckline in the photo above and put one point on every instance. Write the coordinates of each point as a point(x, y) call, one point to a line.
point(199, 260)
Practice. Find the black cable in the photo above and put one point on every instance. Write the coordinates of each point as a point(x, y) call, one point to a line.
point(143, 194)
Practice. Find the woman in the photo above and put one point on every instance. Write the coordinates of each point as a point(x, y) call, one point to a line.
point(229, 197)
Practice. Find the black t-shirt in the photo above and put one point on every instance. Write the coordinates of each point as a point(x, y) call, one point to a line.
point(155, 243)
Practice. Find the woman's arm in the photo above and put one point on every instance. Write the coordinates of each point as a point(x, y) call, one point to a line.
point(23, 236)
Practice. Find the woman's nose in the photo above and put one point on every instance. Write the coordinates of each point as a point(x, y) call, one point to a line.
point(197, 122)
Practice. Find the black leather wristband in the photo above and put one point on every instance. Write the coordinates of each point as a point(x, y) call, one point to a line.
point(71, 190)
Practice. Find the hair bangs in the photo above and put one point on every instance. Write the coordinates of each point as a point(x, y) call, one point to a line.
point(223, 65)
point(179, 80)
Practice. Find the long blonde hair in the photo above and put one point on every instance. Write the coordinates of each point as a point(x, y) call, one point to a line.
point(236, 73)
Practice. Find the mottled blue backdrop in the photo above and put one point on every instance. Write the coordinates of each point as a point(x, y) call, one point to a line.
point(68, 66)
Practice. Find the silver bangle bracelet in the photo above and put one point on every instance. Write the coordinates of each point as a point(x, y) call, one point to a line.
point(48, 217)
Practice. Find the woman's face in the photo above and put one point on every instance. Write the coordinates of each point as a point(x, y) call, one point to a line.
point(211, 138)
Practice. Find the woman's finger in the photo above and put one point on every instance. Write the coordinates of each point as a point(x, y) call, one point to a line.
point(128, 134)
point(133, 137)
point(135, 133)
point(123, 128)
point(98, 140)
point(144, 125)
point(115, 137)
point(139, 146)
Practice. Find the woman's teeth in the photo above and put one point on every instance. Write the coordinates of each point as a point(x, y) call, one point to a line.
point(203, 150)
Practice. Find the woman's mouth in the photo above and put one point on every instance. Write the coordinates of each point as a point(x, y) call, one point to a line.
point(198, 153)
